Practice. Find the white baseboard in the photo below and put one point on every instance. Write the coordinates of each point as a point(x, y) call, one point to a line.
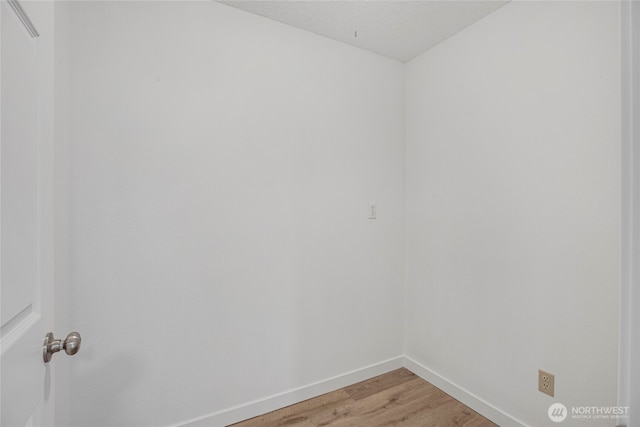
point(472, 401)
point(280, 400)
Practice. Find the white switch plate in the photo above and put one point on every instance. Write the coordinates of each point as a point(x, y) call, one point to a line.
point(373, 211)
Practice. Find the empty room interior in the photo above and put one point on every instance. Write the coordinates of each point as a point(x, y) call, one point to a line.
point(258, 202)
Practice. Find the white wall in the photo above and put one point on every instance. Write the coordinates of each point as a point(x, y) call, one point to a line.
point(513, 207)
point(221, 167)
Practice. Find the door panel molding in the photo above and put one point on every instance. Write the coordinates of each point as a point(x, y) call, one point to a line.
point(23, 17)
point(21, 189)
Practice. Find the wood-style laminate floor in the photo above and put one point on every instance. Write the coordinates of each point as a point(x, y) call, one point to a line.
point(398, 398)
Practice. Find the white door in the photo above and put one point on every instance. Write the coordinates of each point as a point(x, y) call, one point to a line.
point(26, 210)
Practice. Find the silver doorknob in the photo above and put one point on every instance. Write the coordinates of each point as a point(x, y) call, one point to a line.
point(71, 345)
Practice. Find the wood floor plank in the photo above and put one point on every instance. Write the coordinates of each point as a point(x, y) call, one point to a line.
point(257, 422)
point(399, 398)
point(393, 404)
point(298, 414)
point(381, 382)
point(450, 413)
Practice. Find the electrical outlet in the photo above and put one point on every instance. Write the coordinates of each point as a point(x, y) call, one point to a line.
point(546, 382)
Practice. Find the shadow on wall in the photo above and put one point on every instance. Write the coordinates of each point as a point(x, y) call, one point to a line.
point(114, 376)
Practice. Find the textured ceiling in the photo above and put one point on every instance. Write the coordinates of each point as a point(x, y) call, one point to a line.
point(398, 29)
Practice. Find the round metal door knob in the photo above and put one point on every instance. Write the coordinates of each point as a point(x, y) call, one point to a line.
point(71, 345)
